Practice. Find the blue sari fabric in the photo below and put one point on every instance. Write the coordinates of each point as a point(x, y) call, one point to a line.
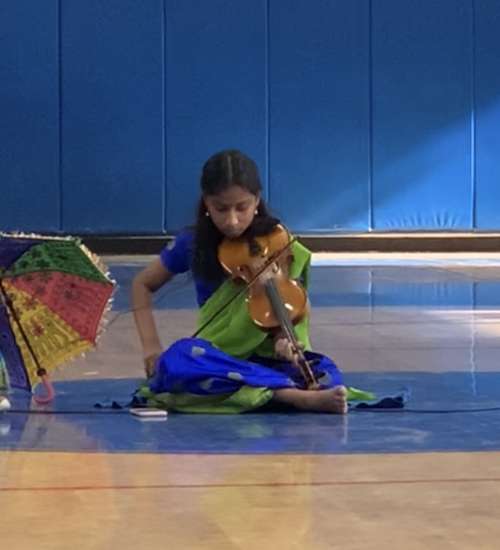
point(193, 365)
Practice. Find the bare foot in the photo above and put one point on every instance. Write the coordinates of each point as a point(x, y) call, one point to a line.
point(327, 401)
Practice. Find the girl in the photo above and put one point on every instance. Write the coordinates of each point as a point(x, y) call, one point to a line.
point(233, 366)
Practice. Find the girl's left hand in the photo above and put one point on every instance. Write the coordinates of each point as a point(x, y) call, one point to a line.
point(285, 350)
point(150, 362)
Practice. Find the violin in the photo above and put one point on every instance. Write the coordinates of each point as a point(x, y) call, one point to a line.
point(275, 301)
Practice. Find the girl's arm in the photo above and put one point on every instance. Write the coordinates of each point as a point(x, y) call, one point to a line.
point(144, 285)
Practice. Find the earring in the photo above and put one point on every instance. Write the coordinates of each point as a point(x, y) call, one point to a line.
point(207, 214)
point(256, 211)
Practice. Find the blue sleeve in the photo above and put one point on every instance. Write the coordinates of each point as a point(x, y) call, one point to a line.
point(177, 257)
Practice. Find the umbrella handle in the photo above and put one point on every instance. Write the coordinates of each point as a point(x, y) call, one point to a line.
point(47, 384)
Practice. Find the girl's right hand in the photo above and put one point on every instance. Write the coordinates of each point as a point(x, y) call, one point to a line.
point(285, 350)
point(150, 362)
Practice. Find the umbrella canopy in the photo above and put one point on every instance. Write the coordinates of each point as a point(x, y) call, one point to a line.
point(53, 297)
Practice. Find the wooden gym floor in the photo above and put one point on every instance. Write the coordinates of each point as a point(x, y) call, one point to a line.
point(426, 478)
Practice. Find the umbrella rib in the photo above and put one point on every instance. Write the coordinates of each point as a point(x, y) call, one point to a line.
point(8, 304)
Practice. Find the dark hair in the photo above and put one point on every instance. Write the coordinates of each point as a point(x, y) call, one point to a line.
point(221, 171)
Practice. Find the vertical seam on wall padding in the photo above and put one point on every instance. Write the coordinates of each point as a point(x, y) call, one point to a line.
point(268, 105)
point(370, 119)
point(59, 116)
point(164, 117)
point(473, 122)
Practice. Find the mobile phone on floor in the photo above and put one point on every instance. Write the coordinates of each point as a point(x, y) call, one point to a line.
point(148, 412)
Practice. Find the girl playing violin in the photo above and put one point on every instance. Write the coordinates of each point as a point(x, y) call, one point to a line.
point(232, 366)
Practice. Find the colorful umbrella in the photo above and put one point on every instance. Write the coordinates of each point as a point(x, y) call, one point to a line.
point(53, 297)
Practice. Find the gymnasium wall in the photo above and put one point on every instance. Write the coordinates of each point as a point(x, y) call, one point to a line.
point(363, 115)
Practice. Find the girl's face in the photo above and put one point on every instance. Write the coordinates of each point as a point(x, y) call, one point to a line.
point(232, 210)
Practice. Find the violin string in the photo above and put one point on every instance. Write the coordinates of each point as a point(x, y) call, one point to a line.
point(284, 319)
point(266, 265)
